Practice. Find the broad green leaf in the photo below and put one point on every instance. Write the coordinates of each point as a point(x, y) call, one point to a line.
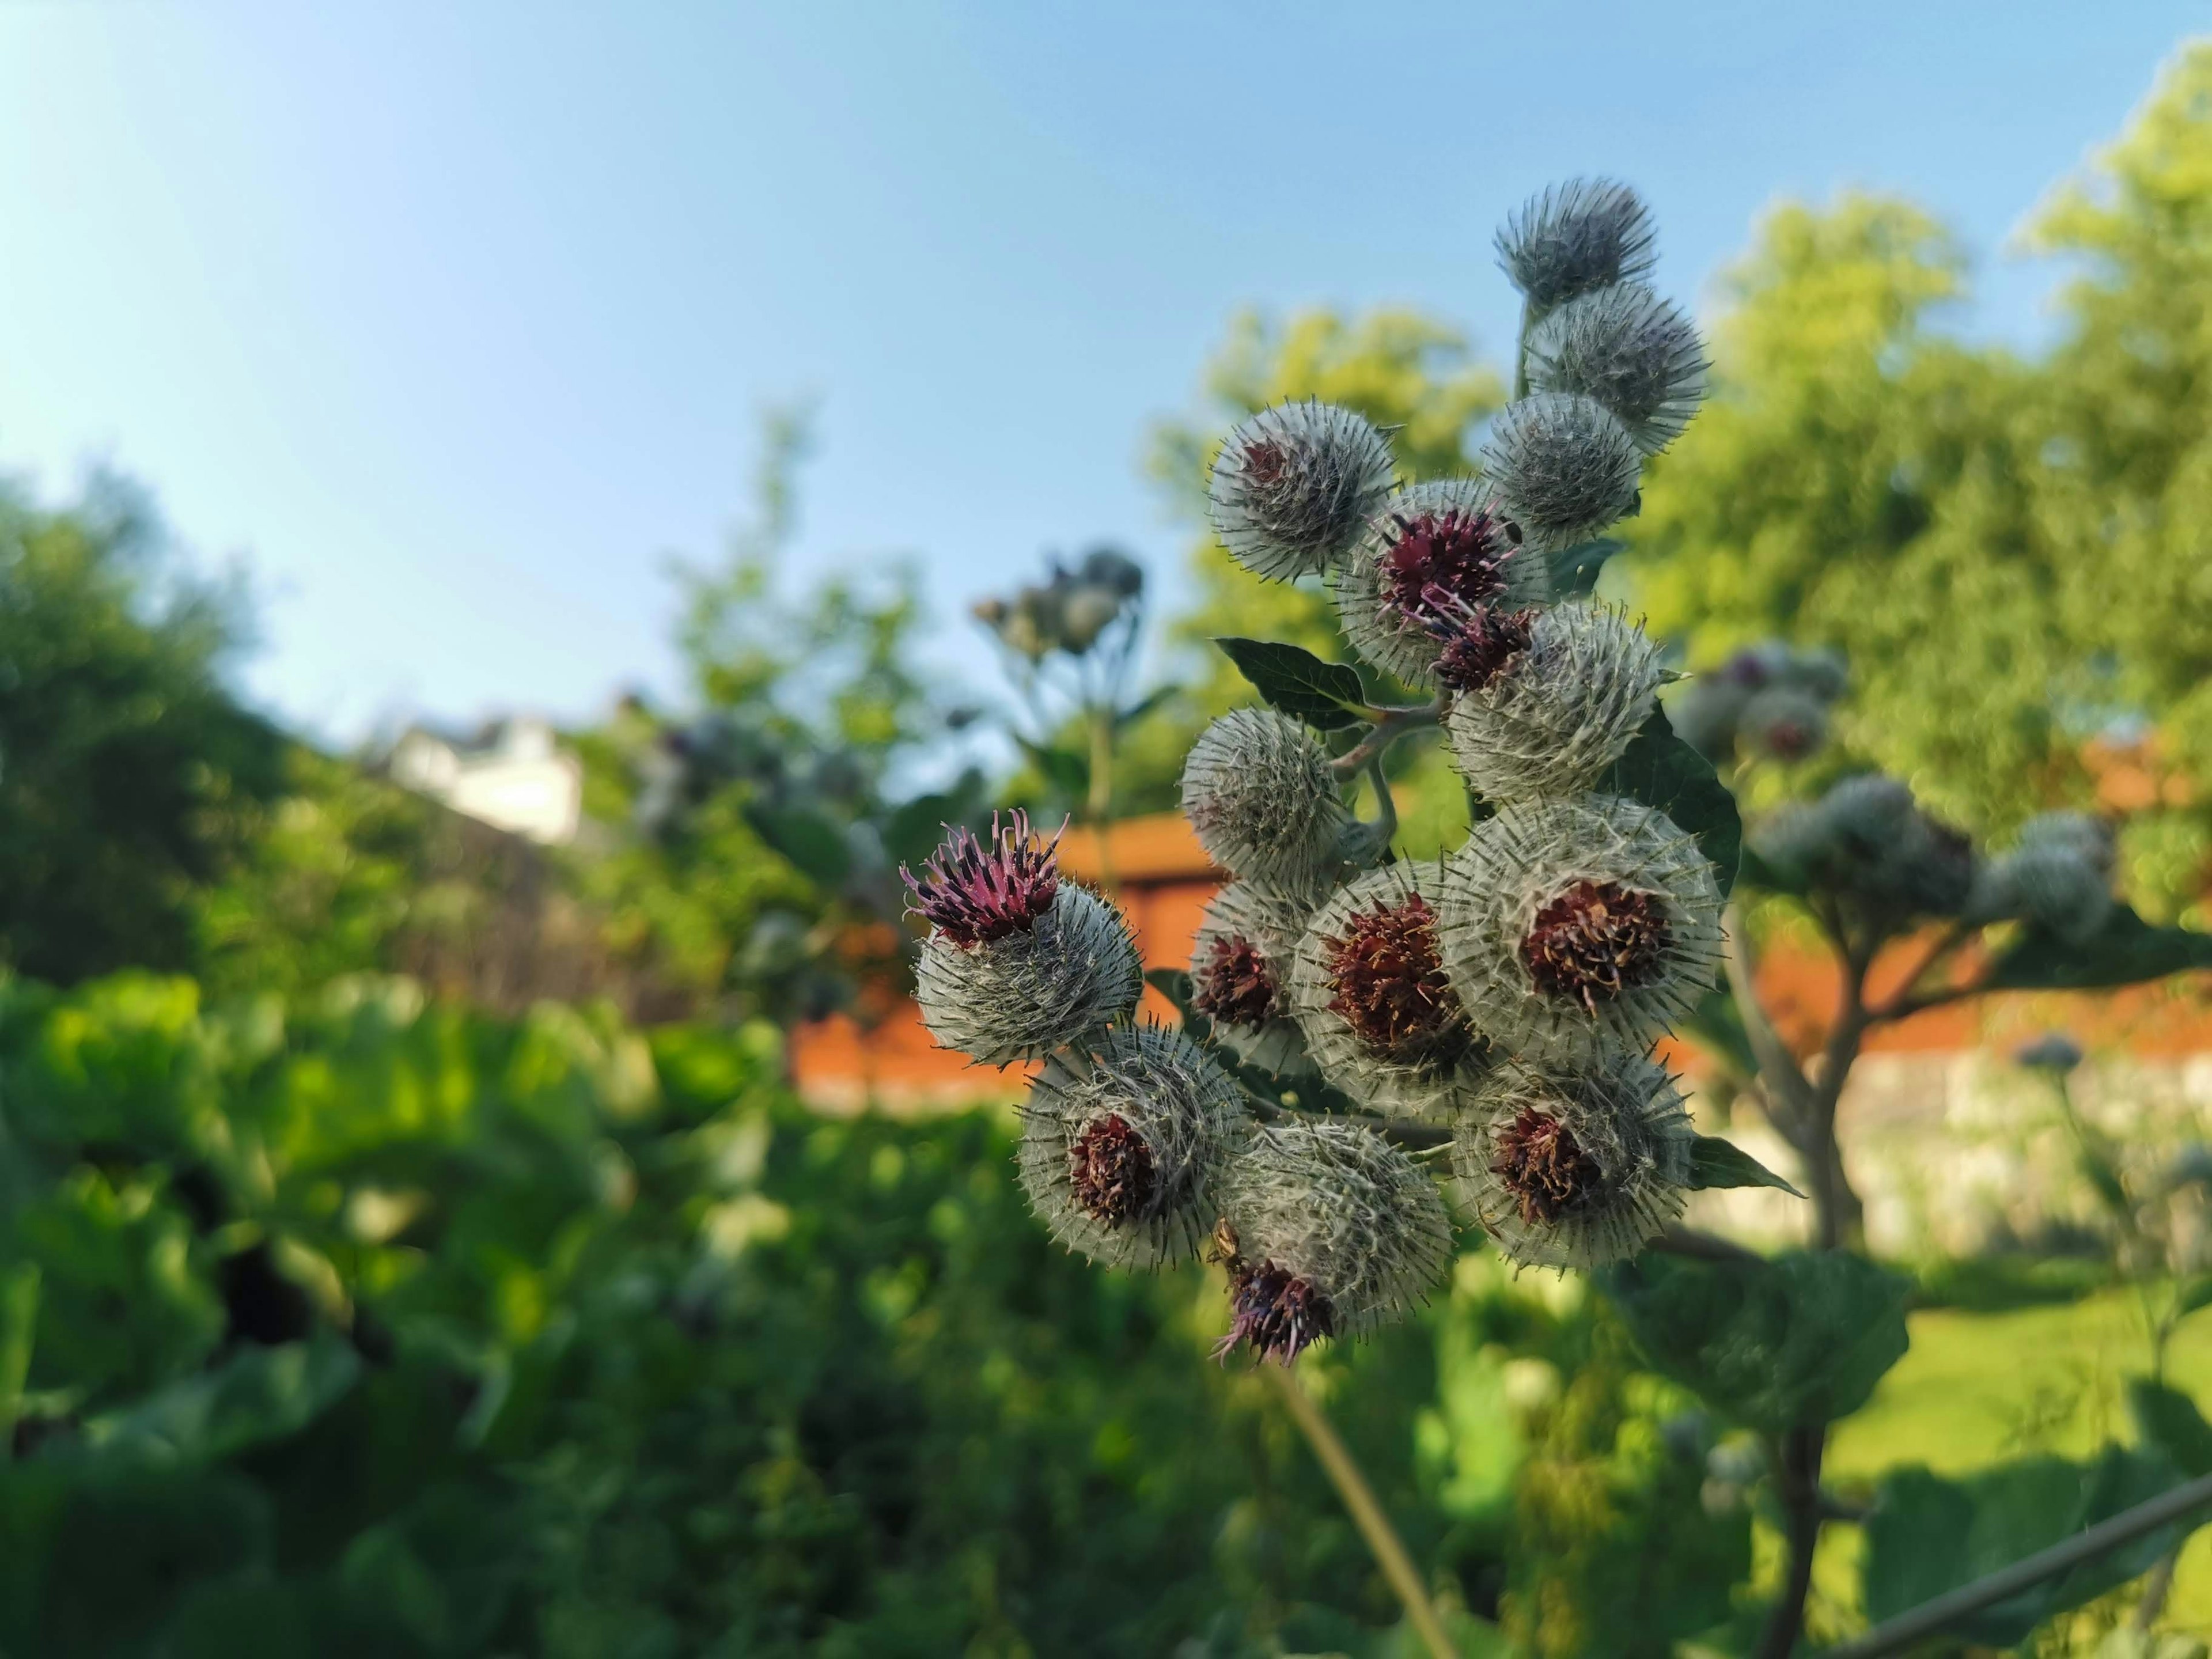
point(1799, 1339)
point(1326, 695)
point(1928, 1535)
point(2125, 951)
point(1066, 770)
point(1661, 770)
point(1575, 570)
point(257, 1394)
point(1716, 1162)
point(2169, 1420)
point(1144, 705)
point(1173, 984)
point(813, 841)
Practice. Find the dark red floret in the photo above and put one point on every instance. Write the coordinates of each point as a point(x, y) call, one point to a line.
point(974, 891)
point(1479, 643)
point(1388, 973)
point(1277, 1313)
point(1544, 1166)
point(1444, 563)
point(1110, 1171)
point(1236, 985)
point(1595, 940)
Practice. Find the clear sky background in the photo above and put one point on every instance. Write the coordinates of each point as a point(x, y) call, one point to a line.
point(453, 319)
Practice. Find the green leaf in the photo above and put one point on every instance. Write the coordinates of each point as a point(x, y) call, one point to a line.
point(914, 827)
point(1326, 695)
point(2125, 951)
point(257, 1394)
point(1754, 871)
point(1066, 771)
point(1144, 706)
point(1799, 1339)
point(1173, 984)
point(1575, 570)
point(811, 841)
point(2195, 1294)
point(1661, 770)
point(1716, 1024)
point(1928, 1535)
point(1716, 1162)
point(2169, 1420)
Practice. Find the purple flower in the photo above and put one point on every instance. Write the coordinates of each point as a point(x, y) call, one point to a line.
point(974, 891)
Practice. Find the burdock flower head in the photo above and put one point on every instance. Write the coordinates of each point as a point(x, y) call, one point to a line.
point(1258, 788)
point(1576, 1168)
point(1866, 841)
point(1017, 961)
point(1580, 235)
point(1635, 353)
point(1434, 553)
point(1783, 722)
point(1551, 717)
point(2058, 876)
point(1370, 991)
point(1240, 970)
point(1121, 1147)
point(974, 890)
point(1293, 487)
point(1562, 464)
point(1578, 928)
point(1337, 1233)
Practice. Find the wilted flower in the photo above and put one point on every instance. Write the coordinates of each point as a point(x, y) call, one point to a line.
point(1635, 353)
point(1551, 718)
point(973, 891)
point(1293, 486)
point(1369, 989)
point(1573, 928)
point(1121, 1147)
point(1258, 788)
point(1576, 1169)
point(1563, 465)
point(1432, 554)
point(1584, 234)
point(1337, 1233)
point(1240, 970)
point(1070, 974)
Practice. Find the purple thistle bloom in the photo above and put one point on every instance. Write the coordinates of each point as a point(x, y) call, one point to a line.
point(974, 891)
point(1276, 1313)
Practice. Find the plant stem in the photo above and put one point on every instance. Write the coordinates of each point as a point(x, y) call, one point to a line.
point(1382, 1540)
point(1390, 725)
point(1099, 807)
point(1930, 1617)
point(1798, 1471)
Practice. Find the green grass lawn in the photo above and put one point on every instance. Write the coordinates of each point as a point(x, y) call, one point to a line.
point(1978, 1387)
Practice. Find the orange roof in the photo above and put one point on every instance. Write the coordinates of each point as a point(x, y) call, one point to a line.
point(1160, 848)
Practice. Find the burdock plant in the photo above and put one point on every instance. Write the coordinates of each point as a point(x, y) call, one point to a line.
point(1363, 1030)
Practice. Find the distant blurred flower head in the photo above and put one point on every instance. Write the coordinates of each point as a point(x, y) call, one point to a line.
point(1772, 699)
point(1634, 352)
point(1258, 788)
point(1294, 486)
point(1783, 722)
point(1578, 236)
point(1563, 465)
point(1868, 840)
point(2053, 1052)
point(2058, 876)
point(1549, 719)
point(1431, 554)
point(1070, 612)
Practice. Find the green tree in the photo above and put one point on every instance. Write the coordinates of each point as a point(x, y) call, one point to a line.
point(128, 772)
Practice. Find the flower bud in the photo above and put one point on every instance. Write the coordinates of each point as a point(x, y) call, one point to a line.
point(1070, 974)
point(1337, 1233)
point(2091, 838)
point(1782, 722)
point(1866, 840)
point(2054, 885)
point(1258, 788)
point(1369, 990)
point(1240, 971)
point(1576, 1169)
point(1564, 467)
point(1552, 717)
point(1435, 552)
point(1122, 1148)
point(1578, 236)
point(1635, 353)
point(1575, 928)
point(1293, 487)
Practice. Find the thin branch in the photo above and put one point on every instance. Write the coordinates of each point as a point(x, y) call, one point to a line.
point(1930, 1617)
point(1773, 1055)
point(1949, 940)
point(1367, 1514)
point(1386, 804)
point(1797, 1476)
point(1390, 725)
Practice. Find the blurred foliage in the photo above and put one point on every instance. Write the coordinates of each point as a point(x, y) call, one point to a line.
point(129, 776)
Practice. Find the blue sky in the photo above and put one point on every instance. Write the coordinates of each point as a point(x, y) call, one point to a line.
point(451, 320)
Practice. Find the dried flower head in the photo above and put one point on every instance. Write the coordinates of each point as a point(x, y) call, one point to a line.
point(1240, 969)
point(1122, 1147)
point(1369, 989)
point(1293, 486)
point(1258, 788)
point(1576, 1167)
point(1635, 353)
point(1072, 972)
point(1782, 722)
point(1576, 928)
point(1434, 552)
point(1563, 465)
point(973, 891)
point(1337, 1233)
point(1552, 717)
point(1576, 236)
